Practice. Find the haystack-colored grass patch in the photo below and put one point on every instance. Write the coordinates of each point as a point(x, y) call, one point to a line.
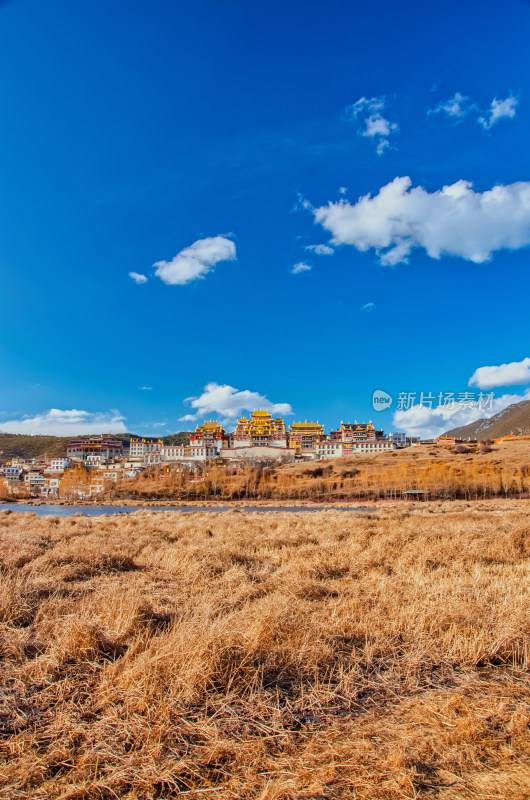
point(272, 656)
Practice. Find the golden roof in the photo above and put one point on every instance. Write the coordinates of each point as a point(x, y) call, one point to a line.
point(260, 423)
point(211, 425)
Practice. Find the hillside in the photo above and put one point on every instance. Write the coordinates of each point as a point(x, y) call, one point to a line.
point(176, 439)
point(472, 471)
point(18, 445)
point(513, 419)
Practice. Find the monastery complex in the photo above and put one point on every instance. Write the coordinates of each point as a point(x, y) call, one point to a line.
point(256, 439)
point(263, 437)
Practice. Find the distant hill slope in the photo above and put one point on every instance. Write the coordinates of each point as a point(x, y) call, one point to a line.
point(513, 419)
point(19, 445)
point(175, 439)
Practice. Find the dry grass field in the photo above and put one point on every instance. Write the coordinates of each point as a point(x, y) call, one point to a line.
point(272, 656)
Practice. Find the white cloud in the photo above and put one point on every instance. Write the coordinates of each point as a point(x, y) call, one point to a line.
point(145, 388)
point(227, 404)
point(368, 307)
point(301, 204)
point(320, 249)
point(499, 109)
point(513, 374)
point(428, 423)
point(72, 422)
point(195, 261)
point(137, 277)
point(380, 128)
point(458, 106)
point(364, 106)
point(382, 145)
point(298, 269)
point(343, 189)
point(366, 112)
point(454, 221)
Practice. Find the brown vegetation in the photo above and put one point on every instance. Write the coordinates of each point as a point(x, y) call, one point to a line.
point(271, 656)
point(470, 472)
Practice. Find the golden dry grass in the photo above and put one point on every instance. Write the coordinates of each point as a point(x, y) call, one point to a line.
point(441, 471)
point(270, 656)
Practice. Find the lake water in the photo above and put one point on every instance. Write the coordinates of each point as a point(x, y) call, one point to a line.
point(96, 511)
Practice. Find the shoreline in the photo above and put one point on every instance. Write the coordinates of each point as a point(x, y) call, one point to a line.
point(364, 504)
point(176, 504)
point(128, 502)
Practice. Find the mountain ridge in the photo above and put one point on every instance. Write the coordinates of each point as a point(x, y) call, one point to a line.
point(515, 419)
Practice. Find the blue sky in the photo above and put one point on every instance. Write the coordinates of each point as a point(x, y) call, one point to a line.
point(234, 136)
